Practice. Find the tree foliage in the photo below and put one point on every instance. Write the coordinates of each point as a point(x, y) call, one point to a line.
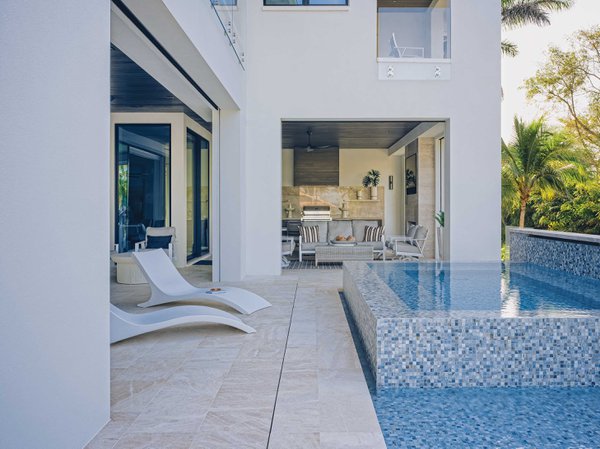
point(576, 210)
point(569, 81)
point(535, 162)
point(517, 13)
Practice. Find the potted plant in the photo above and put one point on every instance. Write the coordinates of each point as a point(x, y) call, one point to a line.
point(372, 180)
point(440, 217)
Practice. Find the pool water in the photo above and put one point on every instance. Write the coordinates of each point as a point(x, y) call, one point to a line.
point(520, 287)
point(490, 417)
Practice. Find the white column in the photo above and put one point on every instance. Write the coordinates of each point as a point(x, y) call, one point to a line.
point(54, 185)
point(232, 196)
point(474, 189)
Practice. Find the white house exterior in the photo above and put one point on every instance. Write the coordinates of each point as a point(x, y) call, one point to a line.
point(291, 63)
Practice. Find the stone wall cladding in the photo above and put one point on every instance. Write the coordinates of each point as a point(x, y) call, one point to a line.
point(466, 349)
point(577, 257)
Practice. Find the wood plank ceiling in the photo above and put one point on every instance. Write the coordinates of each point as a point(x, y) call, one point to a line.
point(133, 90)
point(345, 134)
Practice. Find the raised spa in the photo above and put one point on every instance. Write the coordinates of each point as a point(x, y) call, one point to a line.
point(475, 325)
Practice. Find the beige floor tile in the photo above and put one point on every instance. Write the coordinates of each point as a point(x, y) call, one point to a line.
point(296, 417)
point(213, 387)
point(294, 441)
point(155, 441)
point(352, 440)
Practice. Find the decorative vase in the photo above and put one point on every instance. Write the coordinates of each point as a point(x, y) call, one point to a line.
point(344, 210)
point(289, 209)
point(373, 192)
point(439, 244)
point(359, 194)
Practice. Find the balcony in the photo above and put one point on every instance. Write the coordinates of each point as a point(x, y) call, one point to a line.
point(413, 39)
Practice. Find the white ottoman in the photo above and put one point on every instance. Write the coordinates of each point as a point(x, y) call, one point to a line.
point(128, 271)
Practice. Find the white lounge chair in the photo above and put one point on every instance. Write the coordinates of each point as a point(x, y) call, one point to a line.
point(126, 325)
point(167, 285)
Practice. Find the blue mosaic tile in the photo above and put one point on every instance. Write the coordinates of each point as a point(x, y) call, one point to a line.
point(580, 258)
point(528, 418)
point(465, 348)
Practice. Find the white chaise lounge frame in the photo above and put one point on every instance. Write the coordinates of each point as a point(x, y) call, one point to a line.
point(125, 325)
point(167, 285)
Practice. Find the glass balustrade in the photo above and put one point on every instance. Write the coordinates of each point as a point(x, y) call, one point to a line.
point(230, 19)
point(413, 29)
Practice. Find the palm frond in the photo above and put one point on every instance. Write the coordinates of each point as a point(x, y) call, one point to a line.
point(509, 48)
point(523, 12)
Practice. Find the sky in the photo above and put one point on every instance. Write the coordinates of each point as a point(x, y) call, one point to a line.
point(533, 42)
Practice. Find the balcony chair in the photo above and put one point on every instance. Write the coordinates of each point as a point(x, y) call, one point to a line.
point(158, 238)
point(167, 285)
point(411, 245)
point(288, 244)
point(405, 52)
point(125, 325)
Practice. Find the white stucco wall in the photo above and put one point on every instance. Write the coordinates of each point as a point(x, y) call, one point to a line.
point(327, 69)
point(54, 175)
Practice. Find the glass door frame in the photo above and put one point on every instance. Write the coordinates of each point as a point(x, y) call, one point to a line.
point(196, 171)
point(168, 185)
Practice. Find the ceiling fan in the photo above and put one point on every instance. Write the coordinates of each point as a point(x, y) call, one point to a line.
point(310, 147)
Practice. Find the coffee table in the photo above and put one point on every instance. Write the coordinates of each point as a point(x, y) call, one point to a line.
point(340, 253)
point(128, 271)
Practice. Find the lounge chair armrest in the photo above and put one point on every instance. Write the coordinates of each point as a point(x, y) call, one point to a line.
point(140, 245)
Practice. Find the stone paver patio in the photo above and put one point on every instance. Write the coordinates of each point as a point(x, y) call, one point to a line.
point(295, 383)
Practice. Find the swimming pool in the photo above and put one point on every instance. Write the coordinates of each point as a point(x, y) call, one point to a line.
point(475, 325)
point(518, 289)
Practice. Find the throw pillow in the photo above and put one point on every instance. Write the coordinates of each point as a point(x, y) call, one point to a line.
point(373, 233)
point(412, 230)
point(158, 241)
point(420, 235)
point(310, 234)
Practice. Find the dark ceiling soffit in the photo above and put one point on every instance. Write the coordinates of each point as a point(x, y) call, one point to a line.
point(131, 16)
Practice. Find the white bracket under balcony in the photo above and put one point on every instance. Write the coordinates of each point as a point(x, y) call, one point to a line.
point(414, 69)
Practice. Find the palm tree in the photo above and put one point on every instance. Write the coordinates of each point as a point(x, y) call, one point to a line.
point(516, 13)
point(536, 161)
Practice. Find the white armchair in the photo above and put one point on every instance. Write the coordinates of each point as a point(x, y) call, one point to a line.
point(288, 244)
point(409, 246)
point(156, 235)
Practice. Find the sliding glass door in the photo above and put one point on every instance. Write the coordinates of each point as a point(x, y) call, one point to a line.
point(198, 196)
point(142, 181)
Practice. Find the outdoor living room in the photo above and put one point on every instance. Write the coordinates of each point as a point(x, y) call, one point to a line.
point(361, 191)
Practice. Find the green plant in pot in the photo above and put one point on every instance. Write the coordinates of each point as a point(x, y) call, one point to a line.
point(372, 180)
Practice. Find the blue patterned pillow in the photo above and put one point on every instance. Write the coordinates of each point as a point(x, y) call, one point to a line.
point(158, 241)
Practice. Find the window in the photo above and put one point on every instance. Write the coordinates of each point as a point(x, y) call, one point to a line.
point(224, 2)
point(142, 181)
point(198, 196)
point(413, 29)
point(305, 2)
